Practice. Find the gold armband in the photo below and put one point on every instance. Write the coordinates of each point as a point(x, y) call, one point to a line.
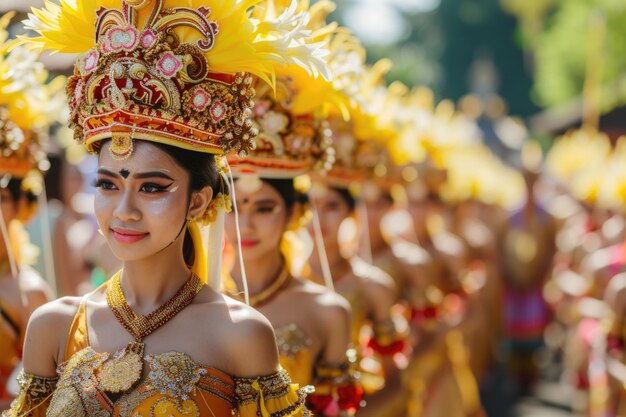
point(270, 396)
point(34, 396)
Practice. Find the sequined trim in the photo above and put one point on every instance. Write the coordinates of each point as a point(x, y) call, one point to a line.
point(273, 386)
point(174, 374)
point(249, 390)
point(291, 340)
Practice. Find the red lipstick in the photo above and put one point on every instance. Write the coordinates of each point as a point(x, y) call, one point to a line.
point(249, 243)
point(128, 236)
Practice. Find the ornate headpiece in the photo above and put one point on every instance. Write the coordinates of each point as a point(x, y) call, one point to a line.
point(293, 135)
point(361, 155)
point(27, 108)
point(169, 71)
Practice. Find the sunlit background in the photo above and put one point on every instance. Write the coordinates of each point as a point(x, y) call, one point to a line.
point(519, 69)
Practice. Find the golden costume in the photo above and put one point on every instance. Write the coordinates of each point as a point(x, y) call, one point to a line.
point(175, 386)
point(294, 140)
point(178, 73)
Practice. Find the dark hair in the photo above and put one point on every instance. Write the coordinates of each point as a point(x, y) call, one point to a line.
point(347, 196)
point(203, 172)
point(15, 189)
point(200, 166)
point(286, 189)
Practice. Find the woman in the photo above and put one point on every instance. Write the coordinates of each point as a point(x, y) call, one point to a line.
point(156, 339)
point(312, 350)
point(312, 324)
point(370, 291)
point(22, 124)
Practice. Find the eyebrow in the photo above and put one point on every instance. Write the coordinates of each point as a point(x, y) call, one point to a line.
point(265, 201)
point(141, 175)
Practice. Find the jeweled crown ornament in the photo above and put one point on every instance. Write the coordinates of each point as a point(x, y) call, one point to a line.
point(289, 143)
point(293, 134)
point(168, 71)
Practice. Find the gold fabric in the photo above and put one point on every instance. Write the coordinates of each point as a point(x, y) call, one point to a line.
point(175, 386)
point(295, 357)
point(34, 396)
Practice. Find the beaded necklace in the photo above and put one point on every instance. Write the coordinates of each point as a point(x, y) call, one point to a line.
point(278, 284)
point(124, 370)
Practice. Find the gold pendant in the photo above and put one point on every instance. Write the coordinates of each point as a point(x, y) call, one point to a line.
point(124, 370)
point(121, 146)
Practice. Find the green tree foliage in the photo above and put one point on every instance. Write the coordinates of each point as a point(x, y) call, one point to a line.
point(563, 45)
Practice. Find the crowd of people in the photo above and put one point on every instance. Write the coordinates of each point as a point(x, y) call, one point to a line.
point(276, 231)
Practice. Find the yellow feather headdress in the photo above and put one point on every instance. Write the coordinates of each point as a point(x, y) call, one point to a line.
point(360, 142)
point(294, 138)
point(177, 72)
point(28, 106)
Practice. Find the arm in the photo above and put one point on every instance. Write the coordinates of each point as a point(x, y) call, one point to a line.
point(337, 391)
point(386, 342)
point(261, 386)
point(42, 352)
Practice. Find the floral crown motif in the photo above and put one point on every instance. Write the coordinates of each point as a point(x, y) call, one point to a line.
point(169, 71)
point(289, 144)
point(294, 136)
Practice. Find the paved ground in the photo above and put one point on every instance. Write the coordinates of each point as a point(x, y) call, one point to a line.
point(550, 399)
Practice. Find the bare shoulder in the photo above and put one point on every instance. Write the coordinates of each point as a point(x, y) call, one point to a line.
point(329, 306)
point(251, 341)
point(46, 335)
point(376, 280)
point(333, 317)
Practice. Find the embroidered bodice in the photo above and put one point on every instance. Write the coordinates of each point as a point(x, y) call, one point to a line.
point(173, 386)
point(295, 357)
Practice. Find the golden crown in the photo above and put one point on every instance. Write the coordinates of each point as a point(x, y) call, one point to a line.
point(293, 135)
point(289, 143)
point(169, 71)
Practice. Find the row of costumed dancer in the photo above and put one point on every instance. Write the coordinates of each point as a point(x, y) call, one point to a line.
point(295, 237)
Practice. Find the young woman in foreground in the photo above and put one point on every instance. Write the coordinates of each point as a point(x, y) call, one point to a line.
point(156, 339)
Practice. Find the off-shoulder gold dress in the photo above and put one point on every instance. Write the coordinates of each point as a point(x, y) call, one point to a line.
point(175, 386)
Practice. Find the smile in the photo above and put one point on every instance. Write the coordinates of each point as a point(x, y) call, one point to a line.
point(128, 236)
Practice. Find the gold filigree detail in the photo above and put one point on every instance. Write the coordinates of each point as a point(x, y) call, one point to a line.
point(291, 340)
point(35, 391)
point(122, 372)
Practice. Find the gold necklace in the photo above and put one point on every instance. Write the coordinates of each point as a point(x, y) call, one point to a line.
point(265, 295)
point(124, 370)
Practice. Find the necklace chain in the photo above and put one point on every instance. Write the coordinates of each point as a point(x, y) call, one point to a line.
point(274, 288)
point(141, 326)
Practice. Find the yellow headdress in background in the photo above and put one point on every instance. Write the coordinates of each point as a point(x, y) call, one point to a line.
point(293, 137)
point(28, 106)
